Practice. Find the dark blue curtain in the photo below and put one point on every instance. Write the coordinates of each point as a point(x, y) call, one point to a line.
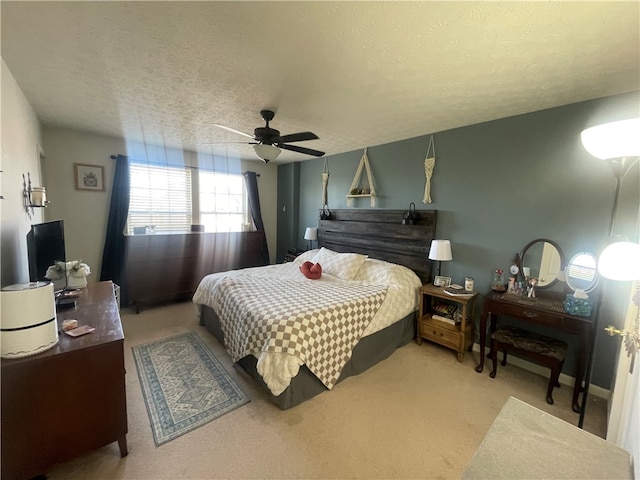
point(251, 182)
point(113, 256)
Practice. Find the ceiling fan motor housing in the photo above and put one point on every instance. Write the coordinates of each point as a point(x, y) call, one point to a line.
point(266, 135)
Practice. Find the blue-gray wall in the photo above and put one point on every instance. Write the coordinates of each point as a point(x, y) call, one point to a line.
point(496, 186)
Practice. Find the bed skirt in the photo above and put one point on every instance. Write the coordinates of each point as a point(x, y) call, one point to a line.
point(369, 351)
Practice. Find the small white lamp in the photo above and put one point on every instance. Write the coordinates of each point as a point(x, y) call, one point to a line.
point(266, 152)
point(311, 234)
point(620, 261)
point(441, 251)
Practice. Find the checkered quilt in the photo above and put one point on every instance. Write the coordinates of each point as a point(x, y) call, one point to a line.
point(318, 322)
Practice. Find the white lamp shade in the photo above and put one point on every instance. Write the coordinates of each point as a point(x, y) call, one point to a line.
point(613, 140)
point(620, 261)
point(311, 233)
point(440, 250)
point(266, 152)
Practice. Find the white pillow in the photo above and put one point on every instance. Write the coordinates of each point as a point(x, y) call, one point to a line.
point(341, 265)
point(306, 256)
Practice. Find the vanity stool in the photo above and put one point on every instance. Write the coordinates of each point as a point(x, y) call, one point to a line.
point(546, 351)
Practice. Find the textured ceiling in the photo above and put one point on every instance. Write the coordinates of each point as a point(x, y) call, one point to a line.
point(355, 73)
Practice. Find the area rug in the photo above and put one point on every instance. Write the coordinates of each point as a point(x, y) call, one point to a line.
point(184, 385)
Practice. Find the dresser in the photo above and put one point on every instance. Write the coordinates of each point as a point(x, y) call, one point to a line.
point(70, 399)
point(169, 267)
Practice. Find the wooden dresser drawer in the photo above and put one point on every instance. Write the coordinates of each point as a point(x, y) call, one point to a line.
point(429, 329)
point(541, 317)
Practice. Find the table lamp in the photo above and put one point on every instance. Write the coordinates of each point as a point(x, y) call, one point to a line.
point(311, 234)
point(441, 251)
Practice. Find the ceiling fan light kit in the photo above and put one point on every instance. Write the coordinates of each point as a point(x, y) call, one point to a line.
point(266, 152)
point(268, 143)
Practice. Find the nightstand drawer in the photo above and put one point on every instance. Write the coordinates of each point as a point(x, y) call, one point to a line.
point(440, 334)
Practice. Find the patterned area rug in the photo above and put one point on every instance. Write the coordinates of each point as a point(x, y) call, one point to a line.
point(184, 385)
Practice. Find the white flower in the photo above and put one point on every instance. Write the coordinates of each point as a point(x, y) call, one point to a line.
point(56, 271)
point(74, 268)
point(77, 269)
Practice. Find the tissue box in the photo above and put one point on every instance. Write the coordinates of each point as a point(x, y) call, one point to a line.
point(577, 306)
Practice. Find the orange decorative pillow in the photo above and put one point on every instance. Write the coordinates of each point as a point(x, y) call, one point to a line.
point(311, 270)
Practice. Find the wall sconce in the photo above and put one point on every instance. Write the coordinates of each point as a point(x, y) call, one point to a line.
point(311, 234)
point(440, 250)
point(32, 196)
point(618, 143)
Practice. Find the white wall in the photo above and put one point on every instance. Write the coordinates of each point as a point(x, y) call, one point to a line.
point(21, 145)
point(85, 213)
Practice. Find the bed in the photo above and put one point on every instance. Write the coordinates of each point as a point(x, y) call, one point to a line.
point(299, 337)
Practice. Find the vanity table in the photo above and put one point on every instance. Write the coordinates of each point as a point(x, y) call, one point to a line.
point(546, 309)
point(539, 265)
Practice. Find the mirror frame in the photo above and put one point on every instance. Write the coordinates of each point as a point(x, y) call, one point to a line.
point(524, 251)
point(596, 277)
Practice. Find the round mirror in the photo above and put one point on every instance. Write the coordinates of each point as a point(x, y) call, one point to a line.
point(582, 272)
point(542, 259)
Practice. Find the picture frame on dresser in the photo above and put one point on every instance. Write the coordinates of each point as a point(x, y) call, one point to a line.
point(440, 281)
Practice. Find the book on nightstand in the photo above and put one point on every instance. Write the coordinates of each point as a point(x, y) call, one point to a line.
point(457, 291)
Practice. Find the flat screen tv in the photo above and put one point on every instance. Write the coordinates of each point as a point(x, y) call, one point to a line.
point(45, 246)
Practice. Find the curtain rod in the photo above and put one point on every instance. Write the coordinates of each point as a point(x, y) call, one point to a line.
point(115, 157)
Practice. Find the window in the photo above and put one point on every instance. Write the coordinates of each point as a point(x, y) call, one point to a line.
point(170, 199)
point(223, 201)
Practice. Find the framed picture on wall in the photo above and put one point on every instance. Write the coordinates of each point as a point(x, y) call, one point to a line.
point(89, 177)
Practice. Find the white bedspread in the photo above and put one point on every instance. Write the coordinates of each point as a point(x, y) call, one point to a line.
point(278, 368)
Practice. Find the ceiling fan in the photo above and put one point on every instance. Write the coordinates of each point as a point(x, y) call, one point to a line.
point(267, 141)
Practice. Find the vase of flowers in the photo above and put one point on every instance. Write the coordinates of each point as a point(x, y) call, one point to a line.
point(71, 274)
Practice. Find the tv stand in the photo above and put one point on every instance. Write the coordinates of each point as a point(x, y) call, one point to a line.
point(70, 399)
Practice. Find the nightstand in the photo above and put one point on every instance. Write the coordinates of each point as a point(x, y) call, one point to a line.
point(290, 257)
point(446, 319)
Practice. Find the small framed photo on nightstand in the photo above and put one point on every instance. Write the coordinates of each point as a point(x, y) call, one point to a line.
point(441, 281)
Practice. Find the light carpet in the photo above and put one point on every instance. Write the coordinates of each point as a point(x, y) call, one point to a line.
point(184, 385)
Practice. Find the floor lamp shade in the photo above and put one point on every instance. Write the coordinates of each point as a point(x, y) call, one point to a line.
point(613, 140)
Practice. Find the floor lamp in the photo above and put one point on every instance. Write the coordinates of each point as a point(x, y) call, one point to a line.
point(618, 143)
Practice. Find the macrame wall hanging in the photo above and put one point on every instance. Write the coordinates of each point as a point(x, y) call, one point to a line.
point(356, 191)
point(429, 164)
point(325, 182)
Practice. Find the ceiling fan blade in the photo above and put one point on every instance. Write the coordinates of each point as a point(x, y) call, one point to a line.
point(307, 151)
point(230, 143)
point(298, 137)
point(231, 130)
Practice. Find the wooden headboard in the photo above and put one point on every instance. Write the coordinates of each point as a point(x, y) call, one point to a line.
point(381, 235)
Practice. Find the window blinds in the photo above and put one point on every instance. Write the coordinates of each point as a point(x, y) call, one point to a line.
point(160, 198)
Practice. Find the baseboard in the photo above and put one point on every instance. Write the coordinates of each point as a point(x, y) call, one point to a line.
point(540, 370)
